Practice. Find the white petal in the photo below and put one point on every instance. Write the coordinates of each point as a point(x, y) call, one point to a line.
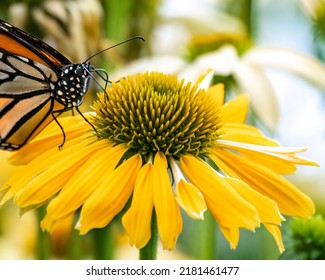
point(223, 61)
point(253, 81)
point(303, 65)
point(310, 6)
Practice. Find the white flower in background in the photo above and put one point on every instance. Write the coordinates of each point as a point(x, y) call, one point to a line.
point(73, 27)
point(312, 6)
point(249, 72)
point(181, 23)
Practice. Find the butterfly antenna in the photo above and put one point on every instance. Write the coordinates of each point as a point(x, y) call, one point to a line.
point(123, 42)
point(103, 74)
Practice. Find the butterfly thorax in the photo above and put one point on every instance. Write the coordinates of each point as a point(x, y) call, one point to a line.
point(72, 84)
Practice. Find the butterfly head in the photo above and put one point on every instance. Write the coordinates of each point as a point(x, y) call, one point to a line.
point(73, 84)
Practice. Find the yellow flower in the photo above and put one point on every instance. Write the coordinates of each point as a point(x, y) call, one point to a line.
point(160, 141)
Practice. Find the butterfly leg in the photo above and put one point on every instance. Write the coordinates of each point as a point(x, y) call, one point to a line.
point(61, 127)
point(80, 113)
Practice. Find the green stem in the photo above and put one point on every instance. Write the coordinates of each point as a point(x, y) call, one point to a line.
point(210, 237)
point(149, 252)
point(43, 249)
point(75, 246)
point(247, 15)
point(118, 14)
point(242, 10)
point(103, 241)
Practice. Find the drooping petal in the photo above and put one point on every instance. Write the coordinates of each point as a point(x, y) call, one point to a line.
point(169, 218)
point(226, 205)
point(61, 234)
point(188, 196)
point(286, 153)
point(35, 185)
point(276, 233)
point(290, 200)
point(232, 236)
point(267, 209)
point(83, 183)
point(137, 220)
point(282, 160)
point(190, 199)
point(6, 190)
point(110, 196)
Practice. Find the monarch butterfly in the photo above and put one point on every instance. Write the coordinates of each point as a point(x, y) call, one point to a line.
point(37, 84)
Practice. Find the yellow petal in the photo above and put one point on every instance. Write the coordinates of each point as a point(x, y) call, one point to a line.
point(269, 154)
point(271, 161)
point(36, 183)
point(42, 188)
point(290, 200)
point(83, 183)
point(235, 110)
point(190, 199)
point(137, 220)
point(110, 197)
point(7, 191)
point(217, 93)
point(61, 235)
point(243, 133)
point(240, 128)
point(276, 233)
point(267, 209)
point(204, 80)
point(232, 236)
point(169, 218)
point(75, 128)
point(226, 205)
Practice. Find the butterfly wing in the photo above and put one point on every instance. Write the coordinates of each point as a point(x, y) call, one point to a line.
point(29, 69)
point(16, 41)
